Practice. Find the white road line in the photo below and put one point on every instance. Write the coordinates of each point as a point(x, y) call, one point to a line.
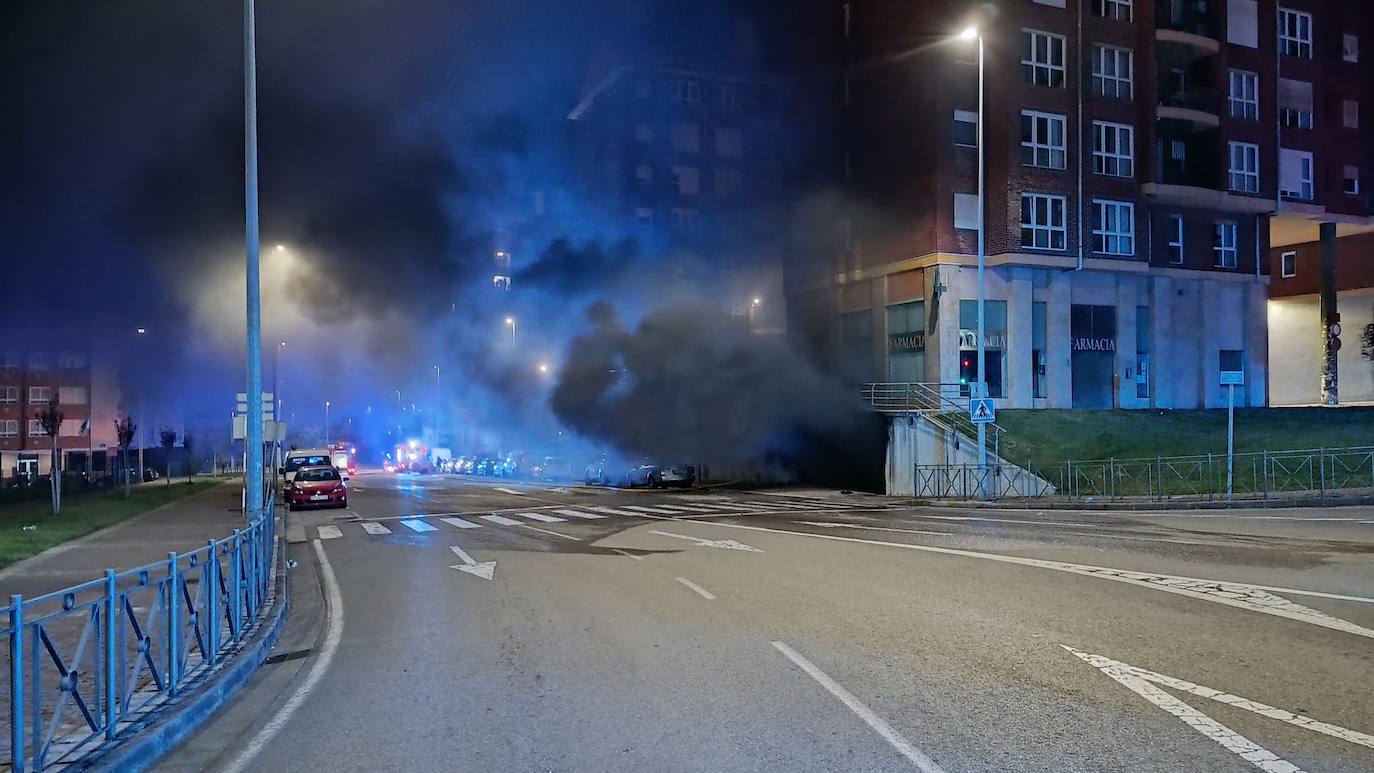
point(839, 525)
point(881, 727)
point(673, 508)
point(415, 524)
point(460, 523)
point(706, 594)
point(700, 508)
point(627, 554)
point(501, 519)
point(643, 509)
point(1234, 594)
point(546, 531)
point(609, 511)
point(580, 514)
point(330, 532)
point(541, 517)
point(510, 491)
point(375, 528)
point(333, 634)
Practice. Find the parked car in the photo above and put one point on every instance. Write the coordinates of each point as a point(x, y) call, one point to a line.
point(301, 458)
point(652, 475)
point(319, 486)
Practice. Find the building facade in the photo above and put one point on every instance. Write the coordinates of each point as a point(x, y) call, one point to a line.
point(33, 380)
point(1136, 160)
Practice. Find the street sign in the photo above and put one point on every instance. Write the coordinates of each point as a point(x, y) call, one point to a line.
point(982, 410)
point(1233, 378)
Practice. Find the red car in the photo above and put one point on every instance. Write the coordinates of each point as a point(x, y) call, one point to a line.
point(317, 487)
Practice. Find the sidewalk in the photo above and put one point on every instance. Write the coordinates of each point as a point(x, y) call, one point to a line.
point(185, 524)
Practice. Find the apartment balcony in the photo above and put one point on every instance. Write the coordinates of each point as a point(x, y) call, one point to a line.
point(1187, 170)
point(1196, 108)
point(1187, 26)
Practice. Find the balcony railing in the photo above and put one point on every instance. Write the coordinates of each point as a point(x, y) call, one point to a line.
point(1196, 98)
point(1190, 17)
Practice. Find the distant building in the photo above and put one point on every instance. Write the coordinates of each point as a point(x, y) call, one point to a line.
point(30, 381)
point(1140, 157)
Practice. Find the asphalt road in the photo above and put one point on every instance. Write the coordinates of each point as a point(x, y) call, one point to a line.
point(806, 630)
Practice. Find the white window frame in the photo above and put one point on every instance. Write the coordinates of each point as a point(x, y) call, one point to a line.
point(1115, 158)
point(9, 428)
point(1347, 178)
point(1114, 84)
point(35, 428)
point(1295, 33)
point(1224, 233)
point(1117, 10)
point(1242, 177)
point(1350, 48)
point(9, 394)
point(1113, 227)
point(40, 395)
point(1044, 148)
point(1288, 264)
point(1056, 234)
point(1176, 239)
point(1307, 189)
point(1243, 98)
point(1051, 71)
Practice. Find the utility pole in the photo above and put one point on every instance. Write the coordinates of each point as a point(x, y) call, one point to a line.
point(1331, 318)
point(253, 472)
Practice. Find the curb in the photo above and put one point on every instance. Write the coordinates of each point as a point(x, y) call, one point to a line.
point(1020, 503)
point(147, 746)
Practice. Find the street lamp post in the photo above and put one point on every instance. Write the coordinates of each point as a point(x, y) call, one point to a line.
point(253, 475)
point(511, 321)
point(972, 33)
point(326, 422)
point(434, 415)
point(142, 402)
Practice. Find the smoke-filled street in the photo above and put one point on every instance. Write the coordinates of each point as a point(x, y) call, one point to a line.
point(539, 627)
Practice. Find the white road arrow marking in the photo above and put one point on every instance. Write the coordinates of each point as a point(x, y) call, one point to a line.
point(330, 532)
point(484, 569)
point(1146, 685)
point(724, 544)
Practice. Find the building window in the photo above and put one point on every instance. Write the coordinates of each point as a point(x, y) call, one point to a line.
point(1244, 97)
point(1113, 227)
point(1351, 183)
point(687, 180)
point(644, 215)
point(1039, 384)
point(1042, 222)
point(727, 182)
point(689, 93)
point(1142, 352)
point(1350, 48)
point(644, 175)
point(1042, 58)
point(1295, 104)
point(729, 143)
point(9, 394)
point(1295, 33)
point(1112, 68)
point(1224, 244)
point(1242, 23)
point(1244, 167)
point(36, 428)
point(72, 395)
point(966, 128)
point(684, 219)
point(1119, 10)
point(1288, 264)
point(1350, 117)
point(500, 281)
point(966, 211)
point(1042, 140)
point(686, 138)
point(40, 395)
point(644, 133)
point(1176, 239)
point(1113, 149)
point(9, 428)
point(1295, 174)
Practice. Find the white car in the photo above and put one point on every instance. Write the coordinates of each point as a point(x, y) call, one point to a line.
point(305, 457)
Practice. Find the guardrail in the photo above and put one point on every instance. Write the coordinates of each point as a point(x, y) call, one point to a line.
point(945, 405)
point(1262, 475)
point(91, 661)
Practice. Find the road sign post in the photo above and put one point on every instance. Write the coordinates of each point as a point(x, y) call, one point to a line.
point(1231, 379)
point(981, 410)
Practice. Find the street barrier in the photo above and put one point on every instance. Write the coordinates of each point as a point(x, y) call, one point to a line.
point(90, 663)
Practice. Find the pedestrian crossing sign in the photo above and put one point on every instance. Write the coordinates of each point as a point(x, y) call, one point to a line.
point(982, 411)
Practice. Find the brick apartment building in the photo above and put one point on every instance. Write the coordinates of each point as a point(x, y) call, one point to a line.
point(1139, 155)
point(30, 381)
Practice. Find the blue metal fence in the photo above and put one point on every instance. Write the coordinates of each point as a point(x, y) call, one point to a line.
point(90, 662)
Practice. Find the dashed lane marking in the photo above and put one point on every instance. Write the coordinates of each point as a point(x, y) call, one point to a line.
point(460, 523)
point(580, 514)
point(542, 517)
point(501, 519)
point(375, 528)
point(700, 591)
point(415, 524)
point(330, 532)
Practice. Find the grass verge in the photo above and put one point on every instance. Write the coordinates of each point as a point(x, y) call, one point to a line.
point(81, 515)
point(1046, 438)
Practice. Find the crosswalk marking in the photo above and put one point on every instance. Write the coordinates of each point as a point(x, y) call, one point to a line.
point(699, 508)
point(501, 519)
point(582, 515)
point(330, 532)
point(375, 528)
point(542, 517)
point(643, 509)
point(674, 508)
point(607, 510)
point(415, 524)
point(460, 523)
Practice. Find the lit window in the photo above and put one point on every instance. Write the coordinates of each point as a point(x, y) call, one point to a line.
point(1244, 168)
point(1042, 58)
point(1176, 239)
point(1295, 33)
point(1042, 140)
point(1295, 174)
point(1351, 183)
point(1288, 264)
point(1113, 227)
point(1244, 96)
point(1112, 68)
point(1042, 222)
point(1224, 244)
point(1113, 149)
point(500, 282)
point(1295, 104)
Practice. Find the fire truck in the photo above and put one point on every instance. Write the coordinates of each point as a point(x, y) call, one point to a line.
point(412, 456)
point(344, 455)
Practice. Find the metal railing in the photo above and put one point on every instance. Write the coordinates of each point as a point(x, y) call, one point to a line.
point(944, 405)
point(91, 661)
point(1263, 475)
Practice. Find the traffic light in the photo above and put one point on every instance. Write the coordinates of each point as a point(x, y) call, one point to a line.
point(968, 368)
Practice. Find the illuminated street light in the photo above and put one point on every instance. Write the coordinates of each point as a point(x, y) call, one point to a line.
point(756, 301)
point(543, 367)
point(141, 330)
point(511, 321)
point(970, 33)
point(281, 248)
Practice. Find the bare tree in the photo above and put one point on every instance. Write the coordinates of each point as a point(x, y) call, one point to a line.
point(124, 432)
point(50, 419)
point(188, 444)
point(168, 437)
